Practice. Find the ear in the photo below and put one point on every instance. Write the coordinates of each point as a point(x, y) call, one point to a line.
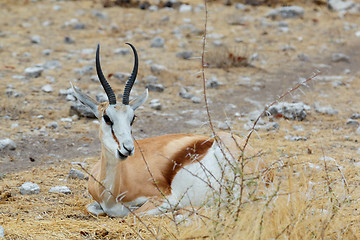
point(86, 100)
point(137, 102)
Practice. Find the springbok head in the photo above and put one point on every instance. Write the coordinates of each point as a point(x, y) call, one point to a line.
point(115, 118)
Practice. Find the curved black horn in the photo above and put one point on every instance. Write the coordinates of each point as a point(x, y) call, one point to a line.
point(130, 82)
point(104, 83)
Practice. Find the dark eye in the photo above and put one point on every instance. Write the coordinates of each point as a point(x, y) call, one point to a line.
point(107, 120)
point(132, 121)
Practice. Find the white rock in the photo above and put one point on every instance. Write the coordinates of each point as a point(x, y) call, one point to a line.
point(36, 39)
point(76, 174)
point(292, 111)
point(185, 8)
point(34, 71)
point(286, 12)
point(340, 57)
point(2, 232)
point(340, 5)
point(29, 188)
point(155, 104)
point(325, 109)
point(122, 51)
point(53, 125)
point(7, 143)
point(157, 42)
point(47, 88)
point(157, 68)
point(60, 189)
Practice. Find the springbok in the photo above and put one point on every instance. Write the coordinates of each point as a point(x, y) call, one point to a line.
point(175, 170)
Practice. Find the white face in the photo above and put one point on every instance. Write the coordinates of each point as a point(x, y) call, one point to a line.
point(115, 123)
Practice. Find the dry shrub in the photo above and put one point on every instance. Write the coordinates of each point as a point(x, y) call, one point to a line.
point(226, 57)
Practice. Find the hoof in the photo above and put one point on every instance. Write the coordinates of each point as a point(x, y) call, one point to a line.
point(95, 209)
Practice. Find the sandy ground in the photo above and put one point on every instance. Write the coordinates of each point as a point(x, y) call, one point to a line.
point(43, 154)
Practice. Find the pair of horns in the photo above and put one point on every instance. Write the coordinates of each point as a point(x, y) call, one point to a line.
point(106, 85)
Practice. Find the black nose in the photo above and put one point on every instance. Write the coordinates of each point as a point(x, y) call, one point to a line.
point(129, 150)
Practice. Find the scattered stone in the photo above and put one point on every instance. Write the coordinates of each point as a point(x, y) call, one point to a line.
point(295, 138)
point(84, 70)
point(56, 8)
point(325, 110)
point(53, 125)
point(155, 104)
point(52, 64)
point(212, 82)
point(352, 122)
point(184, 93)
point(298, 128)
point(287, 47)
point(7, 143)
point(184, 8)
point(47, 88)
point(292, 111)
point(157, 42)
point(82, 164)
point(286, 12)
point(150, 79)
point(29, 188)
point(34, 72)
point(81, 110)
point(122, 51)
point(2, 232)
point(69, 40)
point(303, 57)
point(121, 76)
point(340, 5)
point(240, 6)
point(340, 57)
point(194, 122)
point(99, 14)
point(60, 189)
point(46, 52)
point(155, 87)
point(157, 68)
point(184, 54)
point(261, 125)
point(196, 99)
point(355, 116)
point(36, 39)
point(224, 125)
point(76, 174)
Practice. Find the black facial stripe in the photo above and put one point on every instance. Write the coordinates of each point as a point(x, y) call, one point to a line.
point(107, 120)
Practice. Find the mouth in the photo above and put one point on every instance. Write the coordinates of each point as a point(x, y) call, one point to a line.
point(121, 156)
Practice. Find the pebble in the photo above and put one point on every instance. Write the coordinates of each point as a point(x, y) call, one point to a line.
point(157, 69)
point(99, 14)
point(33, 72)
point(101, 97)
point(340, 5)
point(122, 51)
point(240, 6)
point(76, 174)
point(157, 42)
point(60, 189)
point(46, 52)
point(325, 110)
point(155, 87)
point(295, 138)
point(47, 88)
point(2, 232)
point(212, 82)
point(184, 54)
point(121, 76)
point(88, 69)
point(196, 99)
point(29, 188)
point(68, 40)
point(355, 116)
point(7, 143)
point(36, 39)
point(303, 57)
point(184, 8)
point(292, 111)
point(352, 122)
point(194, 122)
point(340, 57)
point(53, 125)
point(286, 12)
point(151, 79)
point(184, 93)
point(155, 104)
point(224, 125)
